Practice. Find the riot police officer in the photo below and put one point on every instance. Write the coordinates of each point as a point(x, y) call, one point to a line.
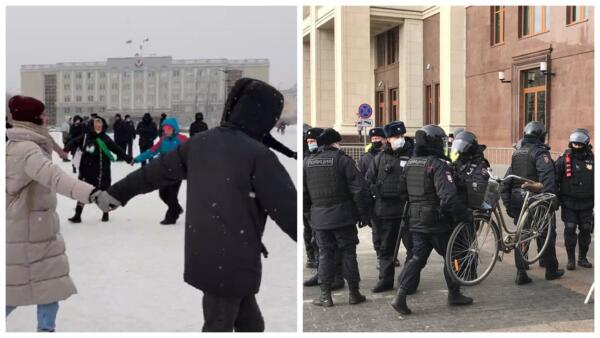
point(434, 208)
point(310, 147)
point(336, 196)
point(312, 249)
point(575, 181)
point(471, 168)
point(532, 161)
point(385, 180)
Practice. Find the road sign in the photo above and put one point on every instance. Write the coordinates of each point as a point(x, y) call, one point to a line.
point(365, 123)
point(365, 111)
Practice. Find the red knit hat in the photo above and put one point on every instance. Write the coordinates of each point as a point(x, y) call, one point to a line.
point(25, 108)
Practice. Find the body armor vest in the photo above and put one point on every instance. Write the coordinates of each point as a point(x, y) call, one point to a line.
point(390, 170)
point(523, 163)
point(326, 186)
point(421, 189)
point(579, 181)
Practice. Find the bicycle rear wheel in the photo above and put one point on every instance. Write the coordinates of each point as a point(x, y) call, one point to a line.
point(472, 251)
point(536, 226)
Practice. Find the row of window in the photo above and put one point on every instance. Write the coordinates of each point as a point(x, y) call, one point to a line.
point(532, 20)
point(387, 47)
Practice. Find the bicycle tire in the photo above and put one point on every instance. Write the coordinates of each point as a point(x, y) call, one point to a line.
point(457, 254)
point(524, 245)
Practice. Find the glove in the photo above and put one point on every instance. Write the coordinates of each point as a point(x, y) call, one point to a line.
point(295, 155)
point(136, 160)
point(105, 201)
point(94, 195)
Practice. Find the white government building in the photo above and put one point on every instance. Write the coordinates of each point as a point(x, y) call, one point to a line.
point(136, 85)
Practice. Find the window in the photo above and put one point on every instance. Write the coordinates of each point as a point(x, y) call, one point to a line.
point(114, 86)
point(78, 98)
point(437, 103)
point(90, 86)
point(497, 25)
point(102, 75)
point(533, 20)
point(101, 98)
point(67, 110)
point(90, 75)
point(67, 86)
point(66, 76)
point(428, 105)
point(393, 104)
point(102, 86)
point(533, 96)
point(175, 73)
point(392, 43)
point(67, 98)
point(380, 50)
point(78, 75)
point(151, 74)
point(576, 14)
point(90, 98)
point(78, 87)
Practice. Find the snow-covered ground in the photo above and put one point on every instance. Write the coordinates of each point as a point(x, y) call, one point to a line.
point(129, 271)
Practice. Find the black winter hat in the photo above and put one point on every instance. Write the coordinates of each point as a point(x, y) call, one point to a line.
point(329, 136)
point(376, 132)
point(252, 106)
point(313, 133)
point(199, 116)
point(395, 128)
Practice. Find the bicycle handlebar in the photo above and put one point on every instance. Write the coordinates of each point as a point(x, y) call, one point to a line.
point(500, 179)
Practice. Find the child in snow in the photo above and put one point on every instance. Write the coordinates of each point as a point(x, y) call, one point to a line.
point(170, 139)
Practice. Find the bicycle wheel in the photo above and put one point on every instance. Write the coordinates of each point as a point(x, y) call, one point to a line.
point(535, 228)
point(472, 251)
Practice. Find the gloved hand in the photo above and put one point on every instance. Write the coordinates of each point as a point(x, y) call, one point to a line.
point(105, 201)
point(295, 155)
point(136, 160)
point(93, 195)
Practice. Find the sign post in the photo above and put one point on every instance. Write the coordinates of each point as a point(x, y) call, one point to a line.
point(365, 111)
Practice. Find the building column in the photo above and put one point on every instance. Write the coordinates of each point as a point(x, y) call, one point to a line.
point(452, 67)
point(410, 67)
point(314, 73)
point(353, 78)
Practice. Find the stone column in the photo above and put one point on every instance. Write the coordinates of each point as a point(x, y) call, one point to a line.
point(410, 67)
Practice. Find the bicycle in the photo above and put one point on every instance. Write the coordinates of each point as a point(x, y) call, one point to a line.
point(471, 254)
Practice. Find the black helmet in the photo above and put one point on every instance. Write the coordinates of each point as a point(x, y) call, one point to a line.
point(432, 137)
point(464, 142)
point(580, 135)
point(535, 129)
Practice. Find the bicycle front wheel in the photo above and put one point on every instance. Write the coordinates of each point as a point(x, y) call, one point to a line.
point(535, 227)
point(472, 251)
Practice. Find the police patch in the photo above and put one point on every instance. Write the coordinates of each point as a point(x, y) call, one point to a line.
point(449, 177)
point(320, 162)
point(546, 159)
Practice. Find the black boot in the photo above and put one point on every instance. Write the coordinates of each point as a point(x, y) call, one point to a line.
point(383, 285)
point(457, 298)
point(311, 263)
point(325, 299)
point(77, 217)
point(584, 263)
point(355, 297)
point(170, 217)
point(74, 169)
point(571, 259)
point(338, 283)
point(312, 281)
point(554, 274)
point(522, 278)
point(399, 302)
point(105, 217)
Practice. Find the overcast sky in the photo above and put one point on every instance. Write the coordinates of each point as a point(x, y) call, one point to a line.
point(40, 35)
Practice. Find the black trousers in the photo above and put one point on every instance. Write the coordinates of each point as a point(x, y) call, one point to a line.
point(423, 244)
point(223, 314)
point(344, 240)
point(308, 242)
point(375, 235)
point(129, 149)
point(168, 195)
point(142, 149)
point(387, 230)
point(549, 256)
point(122, 145)
point(584, 219)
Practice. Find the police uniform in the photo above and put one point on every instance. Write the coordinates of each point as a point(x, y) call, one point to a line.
point(470, 171)
point(386, 183)
point(532, 161)
point(336, 197)
point(575, 179)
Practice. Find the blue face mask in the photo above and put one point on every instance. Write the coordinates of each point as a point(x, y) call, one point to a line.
point(312, 147)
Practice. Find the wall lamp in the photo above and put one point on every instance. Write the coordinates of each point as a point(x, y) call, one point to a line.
point(544, 68)
point(502, 77)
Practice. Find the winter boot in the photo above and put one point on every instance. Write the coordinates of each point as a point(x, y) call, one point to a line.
point(555, 274)
point(311, 264)
point(338, 283)
point(77, 217)
point(313, 281)
point(74, 169)
point(383, 285)
point(170, 218)
point(105, 217)
point(542, 263)
point(584, 263)
point(522, 278)
point(399, 302)
point(354, 296)
point(457, 298)
point(325, 299)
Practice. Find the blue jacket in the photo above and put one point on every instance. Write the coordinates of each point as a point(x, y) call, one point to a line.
point(165, 144)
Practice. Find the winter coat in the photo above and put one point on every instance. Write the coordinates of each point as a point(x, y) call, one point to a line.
point(121, 132)
point(147, 131)
point(197, 127)
point(234, 183)
point(165, 144)
point(37, 269)
point(94, 167)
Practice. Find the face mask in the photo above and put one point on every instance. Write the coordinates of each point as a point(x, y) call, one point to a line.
point(398, 143)
point(312, 147)
point(377, 144)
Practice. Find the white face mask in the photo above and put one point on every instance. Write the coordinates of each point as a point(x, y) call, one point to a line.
point(312, 147)
point(398, 143)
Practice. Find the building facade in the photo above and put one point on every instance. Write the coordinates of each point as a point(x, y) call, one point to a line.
point(441, 64)
point(135, 86)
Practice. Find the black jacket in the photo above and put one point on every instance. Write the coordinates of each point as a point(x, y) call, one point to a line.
point(560, 168)
point(345, 213)
point(366, 159)
point(94, 167)
point(387, 208)
point(511, 190)
point(147, 131)
point(120, 131)
point(473, 169)
point(197, 127)
point(233, 183)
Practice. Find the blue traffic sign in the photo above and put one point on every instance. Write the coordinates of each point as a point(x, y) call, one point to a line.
point(365, 111)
